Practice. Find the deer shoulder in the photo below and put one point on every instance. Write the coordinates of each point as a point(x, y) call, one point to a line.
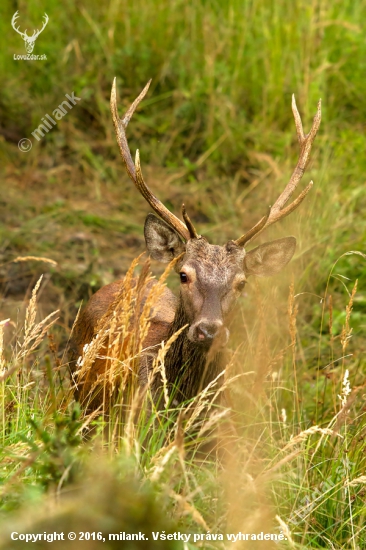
point(86, 328)
point(162, 315)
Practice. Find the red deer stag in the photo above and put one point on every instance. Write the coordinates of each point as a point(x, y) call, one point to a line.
point(212, 277)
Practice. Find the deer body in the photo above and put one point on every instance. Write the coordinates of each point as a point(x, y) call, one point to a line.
point(87, 327)
point(186, 365)
point(212, 279)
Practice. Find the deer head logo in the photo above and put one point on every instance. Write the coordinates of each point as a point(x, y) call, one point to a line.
point(29, 40)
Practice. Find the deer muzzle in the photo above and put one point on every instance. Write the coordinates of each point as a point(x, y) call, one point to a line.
point(205, 332)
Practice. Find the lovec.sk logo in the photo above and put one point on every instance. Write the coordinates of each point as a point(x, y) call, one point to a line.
point(29, 41)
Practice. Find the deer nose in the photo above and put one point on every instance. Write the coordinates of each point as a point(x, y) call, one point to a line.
point(207, 331)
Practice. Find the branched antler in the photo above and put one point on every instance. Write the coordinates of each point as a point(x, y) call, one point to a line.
point(134, 169)
point(279, 210)
point(186, 230)
point(13, 22)
point(37, 33)
point(24, 35)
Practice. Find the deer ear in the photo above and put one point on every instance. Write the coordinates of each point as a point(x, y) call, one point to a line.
point(269, 258)
point(162, 242)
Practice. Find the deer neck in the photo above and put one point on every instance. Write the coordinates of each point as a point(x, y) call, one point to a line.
point(189, 367)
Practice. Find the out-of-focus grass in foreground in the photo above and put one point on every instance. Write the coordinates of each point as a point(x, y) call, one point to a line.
point(216, 132)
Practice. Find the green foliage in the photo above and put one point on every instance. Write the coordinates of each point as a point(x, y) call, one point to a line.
point(54, 447)
point(216, 132)
point(106, 499)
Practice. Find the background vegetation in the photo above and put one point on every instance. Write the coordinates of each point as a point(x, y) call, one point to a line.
point(216, 131)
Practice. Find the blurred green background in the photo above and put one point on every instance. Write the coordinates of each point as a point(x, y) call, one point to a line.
point(215, 131)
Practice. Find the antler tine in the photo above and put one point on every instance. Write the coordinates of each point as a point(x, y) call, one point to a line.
point(306, 142)
point(15, 17)
point(121, 124)
point(37, 32)
point(43, 24)
point(13, 22)
point(279, 210)
point(192, 231)
point(134, 169)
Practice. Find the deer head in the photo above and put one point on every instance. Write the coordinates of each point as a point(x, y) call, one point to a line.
point(213, 277)
point(29, 40)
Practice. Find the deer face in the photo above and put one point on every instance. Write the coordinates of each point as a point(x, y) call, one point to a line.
point(213, 277)
point(29, 42)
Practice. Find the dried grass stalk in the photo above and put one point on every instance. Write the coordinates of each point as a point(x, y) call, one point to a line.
point(286, 531)
point(346, 333)
point(121, 333)
point(159, 366)
point(357, 481)
point(190, 509)
point(292, 311)
point(2, 359)
point(34, 259)
point(34, 332)
point(303, 436)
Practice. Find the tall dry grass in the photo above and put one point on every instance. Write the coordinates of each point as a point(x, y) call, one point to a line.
point(272, 462)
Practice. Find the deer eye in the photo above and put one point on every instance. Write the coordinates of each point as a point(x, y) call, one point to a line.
point(240, 286)
point(183, 277)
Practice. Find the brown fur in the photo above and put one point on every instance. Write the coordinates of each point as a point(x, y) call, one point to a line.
point(214, 278)
point(86, 329)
